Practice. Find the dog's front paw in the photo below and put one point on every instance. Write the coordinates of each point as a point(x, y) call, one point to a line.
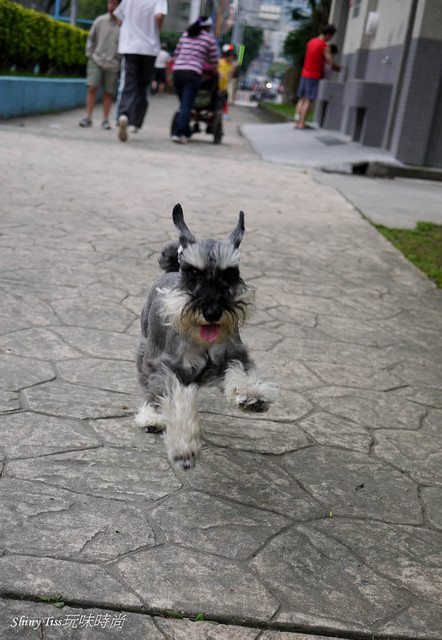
point(185, 459)
point(149, 417)
point(253, 405)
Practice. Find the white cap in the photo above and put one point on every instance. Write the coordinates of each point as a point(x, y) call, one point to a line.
point(206, 23)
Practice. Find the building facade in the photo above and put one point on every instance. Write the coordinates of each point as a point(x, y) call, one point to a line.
point(389, 93)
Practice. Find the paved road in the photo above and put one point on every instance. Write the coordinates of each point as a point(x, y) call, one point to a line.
point(320, 518)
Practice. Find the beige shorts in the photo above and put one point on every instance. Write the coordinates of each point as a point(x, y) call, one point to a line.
point(98, 77)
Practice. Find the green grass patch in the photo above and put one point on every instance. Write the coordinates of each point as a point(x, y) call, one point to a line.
point(422, 246)
point(286, 109)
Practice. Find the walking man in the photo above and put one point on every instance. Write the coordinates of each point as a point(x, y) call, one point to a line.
point(103, 64)
point(317, 53)
point(139, 44)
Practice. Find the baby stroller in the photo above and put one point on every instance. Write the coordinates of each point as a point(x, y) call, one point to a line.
point(208, 108)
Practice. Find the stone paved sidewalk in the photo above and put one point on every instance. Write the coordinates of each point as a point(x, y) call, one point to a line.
point(322, 517)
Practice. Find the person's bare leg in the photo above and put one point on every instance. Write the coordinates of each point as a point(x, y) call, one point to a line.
point(303, 112)
point(107, 103)
point(91, 99)
point(298, 109)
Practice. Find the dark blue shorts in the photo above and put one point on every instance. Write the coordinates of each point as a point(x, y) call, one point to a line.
point(308, 88)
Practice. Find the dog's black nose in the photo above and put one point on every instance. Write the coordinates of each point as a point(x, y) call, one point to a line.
point(212, 314)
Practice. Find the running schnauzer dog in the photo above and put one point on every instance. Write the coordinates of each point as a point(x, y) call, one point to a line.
point(190, 337)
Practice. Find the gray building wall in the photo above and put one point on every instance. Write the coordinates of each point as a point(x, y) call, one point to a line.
point(401, 65)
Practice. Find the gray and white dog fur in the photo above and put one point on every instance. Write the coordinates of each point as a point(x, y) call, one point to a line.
point(190, 337)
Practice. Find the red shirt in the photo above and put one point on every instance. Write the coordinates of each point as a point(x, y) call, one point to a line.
point(314, 59)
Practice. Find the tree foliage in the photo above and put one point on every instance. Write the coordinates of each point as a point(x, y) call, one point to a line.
point(170, 39)
point(253, 38)
point(296, 40)
point(29, 38)
point(90, 9)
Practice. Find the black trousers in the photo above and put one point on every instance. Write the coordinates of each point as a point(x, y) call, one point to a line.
point(135, 79)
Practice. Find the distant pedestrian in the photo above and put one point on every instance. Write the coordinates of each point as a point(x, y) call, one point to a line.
point(159, 72)
point(226, 67)
point(103, 65)
point(195, 47)
point(233, 82)
point(317, 53)
point(142, 21)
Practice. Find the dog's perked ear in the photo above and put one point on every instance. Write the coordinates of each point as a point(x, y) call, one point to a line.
point(186, 237)
point(237, 234)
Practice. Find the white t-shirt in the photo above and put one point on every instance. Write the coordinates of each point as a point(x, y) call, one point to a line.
point(139, 32)
point(162, 59)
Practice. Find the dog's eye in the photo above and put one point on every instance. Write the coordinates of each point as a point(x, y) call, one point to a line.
point(230, 275)
point(192, 272)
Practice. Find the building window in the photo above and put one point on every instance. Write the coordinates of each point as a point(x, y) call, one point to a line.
point(356, 8)
point(185, 10)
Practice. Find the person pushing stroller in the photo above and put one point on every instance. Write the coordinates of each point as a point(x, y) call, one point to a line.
point(196, 47)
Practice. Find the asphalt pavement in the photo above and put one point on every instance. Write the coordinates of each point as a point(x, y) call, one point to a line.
point(319, 519)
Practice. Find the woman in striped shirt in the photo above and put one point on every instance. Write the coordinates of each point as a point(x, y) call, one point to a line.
point(196, 47)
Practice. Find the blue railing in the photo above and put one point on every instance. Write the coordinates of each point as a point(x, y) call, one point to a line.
point(57, 16)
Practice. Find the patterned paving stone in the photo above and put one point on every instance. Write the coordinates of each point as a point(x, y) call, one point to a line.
point(86, 584)
point(349, 483)
point(423, 618)
point(432, 499)
point(220, 587)
point(22, 622)
point(19, 373)
point(57, 523)
point(326, 429)
point(100, 344)
point(187, 630)
point(28, 435)
point(359, 377)
point(253, 435)
point(210, 525)
point(370, 409)
point(253, 480)
point(351, 330)
point(290, 406)
point(409, 556)
point(62, 399)
point(19, 311)
point(418, 453)
point(106, 473)
point(124, 433)
point(40, 343)
point(9, 401)
point(110, 375)
point(79, 312)
point(358, 599)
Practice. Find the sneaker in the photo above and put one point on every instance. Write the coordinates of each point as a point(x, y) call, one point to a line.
point(179, 139)
point(86, 122)
point(105, 125)
point(133, 129)
point(123, 122)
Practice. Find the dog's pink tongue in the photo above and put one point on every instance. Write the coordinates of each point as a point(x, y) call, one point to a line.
point(209, 332)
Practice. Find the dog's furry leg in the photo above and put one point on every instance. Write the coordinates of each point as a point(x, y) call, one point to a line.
point(148, 416)
point(183, 426)
point(249, 390)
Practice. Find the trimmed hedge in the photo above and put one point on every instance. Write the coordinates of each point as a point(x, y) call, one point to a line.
point(28, 38)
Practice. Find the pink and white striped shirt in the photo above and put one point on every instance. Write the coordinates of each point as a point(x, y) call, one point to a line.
point(192, 53)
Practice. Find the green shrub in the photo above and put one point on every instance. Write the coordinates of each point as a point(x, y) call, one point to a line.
point(28, 38)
